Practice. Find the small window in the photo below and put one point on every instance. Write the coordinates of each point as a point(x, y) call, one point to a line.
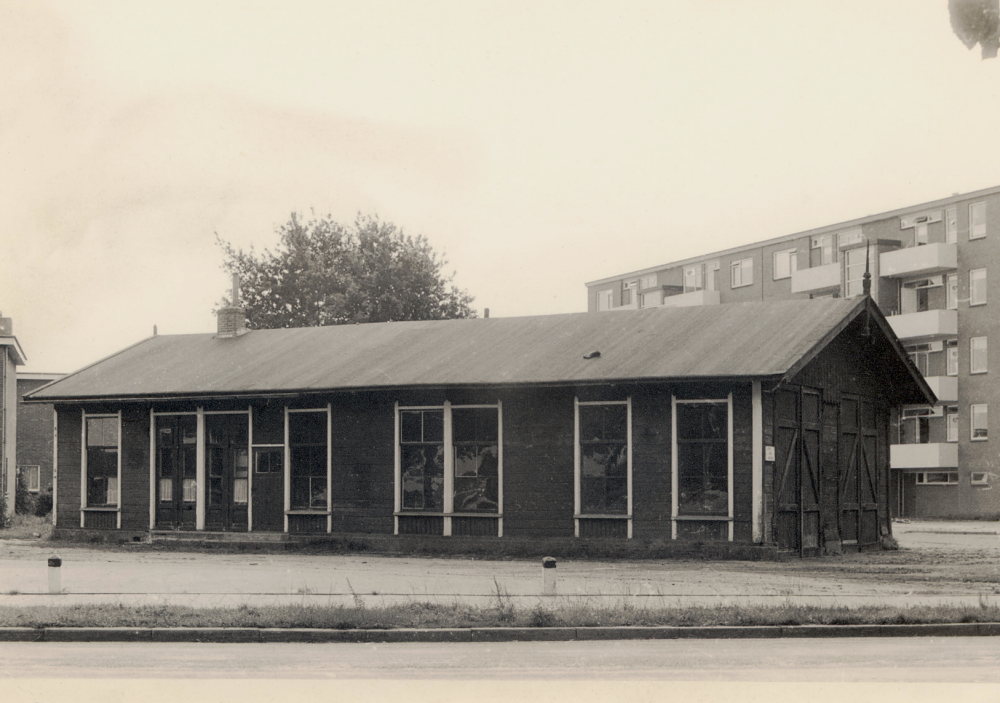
point(940, 478)
point(823, 252)
point(951, 225)
point(980, 427)
point(979, 478)
point(30, 478)
point(977, 355)
point(952, 423)
point(784, 263)
point(951, 291)
point(268, 460)
point(741, 273)
point(952, 357)
point(605, 299)
point(977, 287)
point(977, 220)
point(920, 234)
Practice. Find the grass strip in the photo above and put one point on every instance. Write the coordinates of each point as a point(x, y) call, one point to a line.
point(502, 613)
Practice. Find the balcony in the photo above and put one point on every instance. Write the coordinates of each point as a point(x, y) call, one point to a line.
point(930, 324)
point(818, 279)
point(944, 387)
point(939, 455)
point(919, 261)
point(695, 297)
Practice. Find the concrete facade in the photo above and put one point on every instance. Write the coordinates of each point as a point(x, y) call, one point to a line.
point(931, 266)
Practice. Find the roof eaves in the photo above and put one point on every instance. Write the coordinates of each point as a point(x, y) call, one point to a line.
point(19, 355)
point(27, 396)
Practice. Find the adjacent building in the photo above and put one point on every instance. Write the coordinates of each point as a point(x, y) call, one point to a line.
point(756, 424)
point(11, 356)
point(34, 434)
point(932, 266)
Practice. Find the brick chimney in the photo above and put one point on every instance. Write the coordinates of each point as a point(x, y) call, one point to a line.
point(232, 319)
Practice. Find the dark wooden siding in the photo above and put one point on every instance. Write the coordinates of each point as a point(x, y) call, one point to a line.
point(68, 498)
point(135, 468)
point(363, 459)
point(651, 462)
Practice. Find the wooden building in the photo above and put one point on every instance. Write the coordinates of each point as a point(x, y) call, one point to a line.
point(758, 423)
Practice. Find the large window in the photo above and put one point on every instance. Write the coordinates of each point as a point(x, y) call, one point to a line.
point(605, 299)
point(475, 443)
point(308, 454)
point(977, 355)
point(784, 263)
point(951, 291)
point(952, 419)
point(741, 273)
point(977, 287)
point(980, 427)
point(603, 431)
point(102, 461)
point(822, 251)
point(854, 271)
point(702, 459)
point(977, 220)
point(422, 459)
point(952, 367)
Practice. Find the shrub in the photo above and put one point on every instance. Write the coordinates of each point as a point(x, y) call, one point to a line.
point(43, 503)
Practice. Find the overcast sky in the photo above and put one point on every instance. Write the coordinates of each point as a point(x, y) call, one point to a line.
point(538, 145)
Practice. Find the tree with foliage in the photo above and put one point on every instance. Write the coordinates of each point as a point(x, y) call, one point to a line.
point(323, 273)
point(977, 22)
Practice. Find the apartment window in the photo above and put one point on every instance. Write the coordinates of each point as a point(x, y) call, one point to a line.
point(30, 478)
point(977, 220)
point(476, 447)
point(977, 287)
point(603, 432)
point(605, 299)
point(784, 263)
point(693, 278)
point(647, 282)
point(101, 460)
point(854, 271)
point(943, 478)
point(307, 444)
point(847, 238)
point(978, 355)
point(979, 478)
point(952, 423)
point(920, 234)
point(915, 425)
point(952, 357)
point(951, 291)
point(628, 292)
point(951, 225)
point(741, 273)
point(822, 251)
point(702, 453)
point(980, 429)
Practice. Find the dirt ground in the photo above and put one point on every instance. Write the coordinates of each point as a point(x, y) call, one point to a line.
point(937, 562)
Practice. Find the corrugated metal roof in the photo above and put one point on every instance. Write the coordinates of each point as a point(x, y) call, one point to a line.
point(718, 341)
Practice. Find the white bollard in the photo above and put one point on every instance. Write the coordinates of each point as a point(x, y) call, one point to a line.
point(55, 577)
point(549, 576)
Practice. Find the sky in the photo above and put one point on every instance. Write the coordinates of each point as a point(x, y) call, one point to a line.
point(537, 145)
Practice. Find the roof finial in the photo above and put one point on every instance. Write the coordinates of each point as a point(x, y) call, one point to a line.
point(866, 281)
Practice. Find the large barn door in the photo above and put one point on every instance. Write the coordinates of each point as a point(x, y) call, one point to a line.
point(787, 455)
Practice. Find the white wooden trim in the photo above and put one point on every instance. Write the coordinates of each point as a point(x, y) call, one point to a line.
point(674, 482)
point(83, 466)
point(55, 466)
point(397, 475)
point(287, 502)
point(729, 472)
point(152, 470)
point(576, 466)
point(329, 467)
point(226, 412)
point(757, 442)
point(449, 470)
point(628, 462)
point(500, 468)
point(250, 468)
point(199, 506)
point(119, 479)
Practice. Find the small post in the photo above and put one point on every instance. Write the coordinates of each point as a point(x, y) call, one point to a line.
point(55, 577)
point(549, 576)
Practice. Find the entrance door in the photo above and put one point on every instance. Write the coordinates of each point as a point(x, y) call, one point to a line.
point(226, 472)
point(859, 480)
point(176, 471)
point(798, 429)
point(268, 469)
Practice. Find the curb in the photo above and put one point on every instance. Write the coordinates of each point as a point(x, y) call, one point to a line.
point(242, 635)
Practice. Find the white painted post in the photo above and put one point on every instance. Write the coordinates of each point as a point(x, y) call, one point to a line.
point(55, 578)
point(549, 576)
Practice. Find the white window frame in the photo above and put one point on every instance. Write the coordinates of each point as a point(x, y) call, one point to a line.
point(578, 463)
point(32, 478)
point(696, 274)
point(647, 282)
point(951, 291)
point(951, 225)
point(951, 423)
point(849, 282)
point(632, 289)
point(975, 409)
point(979, 478)
point(651, 299)
point(982, 352)
point(448, 497)
point(853, 236)
point(977, 230)
point(289, 510)
point(975, 276)
point(741, 273)
point(84, 506)
point(951, 478)
point(784, 263)
point(828, 253)
point(675, 516)
point(605, 299)
point(951, 359)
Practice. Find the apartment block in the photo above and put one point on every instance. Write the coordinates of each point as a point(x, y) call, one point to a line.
point(931, 267)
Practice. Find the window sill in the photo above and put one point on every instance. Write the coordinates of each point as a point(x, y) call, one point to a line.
point(602, 516)
point(307, 511)
point(101, 509)
point(421, 513)
point(702, 518)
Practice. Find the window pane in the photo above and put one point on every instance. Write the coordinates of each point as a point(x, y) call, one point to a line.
point(977, 287)
point(410, 426)
point(423, 477)
point(307, 428)
point(433, 425)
